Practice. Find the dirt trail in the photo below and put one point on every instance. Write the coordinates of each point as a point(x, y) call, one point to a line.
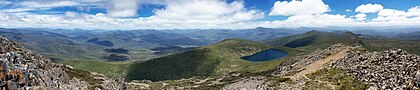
point(317, 65)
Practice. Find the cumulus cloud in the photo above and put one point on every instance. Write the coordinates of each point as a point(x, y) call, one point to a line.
point(360, 16)
point(5, 2)
point(48, 4)
point(348, 10)
point(295, 7)
point(24, 6)
point(199, 12)
point(71, 14)
point(319, 20)
point(414, 11)
point(126, 8)
point(398, 16)
point(369, 8)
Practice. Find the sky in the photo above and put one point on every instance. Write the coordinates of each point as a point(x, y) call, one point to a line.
point(208, 14)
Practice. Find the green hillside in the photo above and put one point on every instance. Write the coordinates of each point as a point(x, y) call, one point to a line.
point(412, 46)
point(315, 40)
point(217, 59)
point(106, 68)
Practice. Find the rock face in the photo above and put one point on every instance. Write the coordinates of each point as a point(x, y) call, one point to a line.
point(22, 69)
point(393, 69)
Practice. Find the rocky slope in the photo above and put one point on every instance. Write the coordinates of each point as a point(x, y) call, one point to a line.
point(392, 69)
point(293, 65)
point(22, 69)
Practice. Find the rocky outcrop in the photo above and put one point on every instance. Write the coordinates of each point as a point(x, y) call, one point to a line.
point(249, 83)
point(115, 83)
point(20, 69)
point(393, 69)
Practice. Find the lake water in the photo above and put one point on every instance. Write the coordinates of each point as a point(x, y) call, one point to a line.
point(266, 55)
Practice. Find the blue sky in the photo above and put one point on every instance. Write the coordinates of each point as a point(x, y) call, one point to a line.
point(208, 14)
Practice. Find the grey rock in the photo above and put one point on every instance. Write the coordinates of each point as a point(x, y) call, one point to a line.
point(392, 69)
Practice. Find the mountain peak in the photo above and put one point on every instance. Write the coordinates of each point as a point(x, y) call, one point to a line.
point(313, 31)
point(8, 46)
point(350, 33)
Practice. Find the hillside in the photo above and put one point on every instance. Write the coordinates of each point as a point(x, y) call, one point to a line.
point(380, 44)
point(107, 68)
point(315, 39)
point(53, 45)
point(220, 58)
point(409, 36)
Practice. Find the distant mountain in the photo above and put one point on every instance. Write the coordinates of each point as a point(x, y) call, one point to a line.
point(409, 36)
point(220, 58)
point(60, 44)
point(261, 33)
point(315, 39)
point(216, 35)
point(54, 45)
point(143, 39)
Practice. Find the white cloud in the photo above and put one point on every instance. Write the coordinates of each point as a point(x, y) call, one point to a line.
point(320, 20)
point(5, 2)
point(414, 11)
point(48, 4)
point(126, 8)
point(398, 16)
point(360, 16)
point(294, 7)
point(17, 10)
point(391, 13)
point(71, 14)
point(25, 6)
point(386, 18)
point(369, 8)
point(348, 10)
point(204, 12)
